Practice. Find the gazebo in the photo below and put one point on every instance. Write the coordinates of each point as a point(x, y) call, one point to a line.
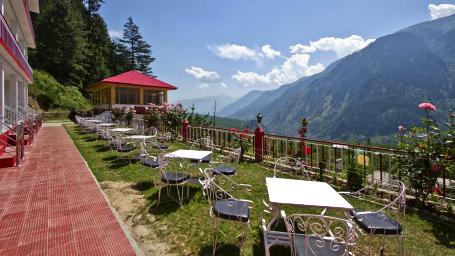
point(131, 89)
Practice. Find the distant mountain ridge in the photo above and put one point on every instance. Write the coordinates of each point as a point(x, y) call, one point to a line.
point(206, 104)
point(370, 92)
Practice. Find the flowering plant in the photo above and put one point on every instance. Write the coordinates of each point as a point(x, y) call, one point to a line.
point(241, 140)
point(426, 148)
point(118, 113)
point(129, 116)
point(170, 115)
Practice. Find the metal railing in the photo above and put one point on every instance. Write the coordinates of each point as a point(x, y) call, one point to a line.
point(326, 160)
point(12, 46)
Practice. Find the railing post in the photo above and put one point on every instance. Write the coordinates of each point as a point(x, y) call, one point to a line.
point(258, 144)
point(185, 128)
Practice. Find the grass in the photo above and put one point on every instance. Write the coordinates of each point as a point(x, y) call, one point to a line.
point(188, 230)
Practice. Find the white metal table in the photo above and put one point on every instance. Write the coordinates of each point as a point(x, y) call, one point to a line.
point(298, 193)
point(106, 124)
point(139, 137)
point(121, 129)
point(197, 155)
point(93, 121)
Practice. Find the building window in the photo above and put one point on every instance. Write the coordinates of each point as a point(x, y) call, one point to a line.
point(151, 96)
point(127, 96)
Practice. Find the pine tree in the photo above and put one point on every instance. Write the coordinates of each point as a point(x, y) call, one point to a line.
point(61, 41)
point(139, 51)
point(118, 61)
point(99, 47)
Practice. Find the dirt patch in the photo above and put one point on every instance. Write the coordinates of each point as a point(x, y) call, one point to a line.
point(128, 202)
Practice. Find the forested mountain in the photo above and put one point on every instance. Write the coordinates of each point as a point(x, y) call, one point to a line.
point(74, 47)
point(370, 92)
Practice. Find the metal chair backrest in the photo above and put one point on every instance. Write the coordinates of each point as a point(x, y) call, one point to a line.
point(320, 234)
point(203, 143)
point(289, 165)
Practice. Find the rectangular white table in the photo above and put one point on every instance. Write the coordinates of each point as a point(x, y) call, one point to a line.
point(305, 193)
point(121, 129)
point(198, 155)
point(298, 193)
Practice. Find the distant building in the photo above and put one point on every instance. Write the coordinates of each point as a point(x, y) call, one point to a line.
point(16, 36)
point(128, 89)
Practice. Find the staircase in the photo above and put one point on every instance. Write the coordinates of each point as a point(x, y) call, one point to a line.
point(18, 128)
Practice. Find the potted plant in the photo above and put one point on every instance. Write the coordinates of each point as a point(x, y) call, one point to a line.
point(118, 114)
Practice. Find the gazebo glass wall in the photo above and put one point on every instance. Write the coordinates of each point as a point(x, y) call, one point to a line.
point(153, 96)
point(125, 95)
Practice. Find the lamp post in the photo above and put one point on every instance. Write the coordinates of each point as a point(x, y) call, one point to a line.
point(258, 140)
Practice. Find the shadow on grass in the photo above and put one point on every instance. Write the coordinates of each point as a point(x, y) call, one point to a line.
point(109, 158)
point(442, 231)
point(143, 185)
point(168, 205)
point(223, 249)
point(102, 148)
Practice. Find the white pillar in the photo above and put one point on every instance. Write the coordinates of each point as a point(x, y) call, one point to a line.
point(26, 96)
point(14, 92)
point(2, 90)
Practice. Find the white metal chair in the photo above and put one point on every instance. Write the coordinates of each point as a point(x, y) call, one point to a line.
point(229, 165)
point(174, 172)
point(314, 235)
point(224, 206)
point(290, 166)
point(380, 222)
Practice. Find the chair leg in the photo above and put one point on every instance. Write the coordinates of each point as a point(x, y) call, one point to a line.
point(215, 235)
point(159, 195)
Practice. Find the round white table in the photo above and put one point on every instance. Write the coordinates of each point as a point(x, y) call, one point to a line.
point(106, 124)
point(122, 129)
point(139, 137)
point(94, 121)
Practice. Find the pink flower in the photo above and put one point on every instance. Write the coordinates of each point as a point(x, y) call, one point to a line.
point(427, 106)
point(245, 130)
point(437, 190)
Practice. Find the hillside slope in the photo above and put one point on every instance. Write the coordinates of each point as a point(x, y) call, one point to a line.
point(371, 92)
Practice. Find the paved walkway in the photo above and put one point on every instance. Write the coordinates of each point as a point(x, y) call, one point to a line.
point(52, 205)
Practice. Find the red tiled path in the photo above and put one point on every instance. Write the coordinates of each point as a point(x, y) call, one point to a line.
point(51, 204)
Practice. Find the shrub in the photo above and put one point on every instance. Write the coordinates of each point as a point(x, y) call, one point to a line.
point(354, 174)
point(50, 94)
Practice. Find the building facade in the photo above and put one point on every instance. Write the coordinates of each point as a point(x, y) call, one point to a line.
point(129, 89)
point(16, 36)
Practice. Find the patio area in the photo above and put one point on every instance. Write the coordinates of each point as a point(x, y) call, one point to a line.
point(52, 204)
point(184, 222)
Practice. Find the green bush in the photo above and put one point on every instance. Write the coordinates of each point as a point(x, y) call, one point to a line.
point(50, 94)
point(354, 174)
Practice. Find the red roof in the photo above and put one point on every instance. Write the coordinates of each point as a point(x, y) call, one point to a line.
point(134, 77)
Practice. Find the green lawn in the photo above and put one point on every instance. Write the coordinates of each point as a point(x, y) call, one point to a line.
point(188, 230)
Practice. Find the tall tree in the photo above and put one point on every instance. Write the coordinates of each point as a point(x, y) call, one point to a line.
point(139, 51)
point(99, 46)
point(61, 41)
point(118, 61)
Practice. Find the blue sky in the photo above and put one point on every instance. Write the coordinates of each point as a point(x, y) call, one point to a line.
point(208, 47)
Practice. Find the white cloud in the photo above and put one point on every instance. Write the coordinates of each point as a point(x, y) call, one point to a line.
point(269, 52)
point(223, 85)
point(202, 86)
point(115, 34)
point(300, 48)
point(441, 10)
point(202, 75)
point(341, 46)
point(292, 69)
point(241, 52)
point(234, 52)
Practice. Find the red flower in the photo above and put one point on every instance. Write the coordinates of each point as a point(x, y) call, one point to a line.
point(233, 130)
point(437, 190)
point(245, 130)
point(243, 135)
point(427, 106)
